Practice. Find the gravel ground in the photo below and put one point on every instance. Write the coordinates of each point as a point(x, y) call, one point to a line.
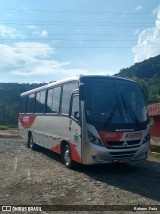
point(39, 178)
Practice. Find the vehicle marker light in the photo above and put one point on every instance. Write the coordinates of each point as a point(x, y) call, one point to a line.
point(94, 139)
point(147, 138)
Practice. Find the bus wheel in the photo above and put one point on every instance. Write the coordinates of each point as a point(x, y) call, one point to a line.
point(31, 144)
point(67, 156)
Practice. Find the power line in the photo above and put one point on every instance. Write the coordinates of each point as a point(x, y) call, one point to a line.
point(74, 11)
point(106, 47)
point(75, 22)
point(80, 47)
point(77, 34)
point(67, 34)
point(76, 40)
point(82, 25)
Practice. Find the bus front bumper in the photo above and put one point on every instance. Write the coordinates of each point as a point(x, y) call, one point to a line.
point(95, 154)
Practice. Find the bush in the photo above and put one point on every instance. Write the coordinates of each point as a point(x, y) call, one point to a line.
point(3, 127)
point(12, 127)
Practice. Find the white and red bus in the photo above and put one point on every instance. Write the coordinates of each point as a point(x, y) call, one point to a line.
point(89, 120)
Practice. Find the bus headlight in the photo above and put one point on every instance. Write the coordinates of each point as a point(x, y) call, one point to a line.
point(147, 138)
point(93, 139)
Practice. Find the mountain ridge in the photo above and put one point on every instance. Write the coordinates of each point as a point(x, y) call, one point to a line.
point(147, 74)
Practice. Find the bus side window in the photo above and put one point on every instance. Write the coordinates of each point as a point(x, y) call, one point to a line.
point(53, 100)
point(40, 102)
point(49, 106)
point(75, 107)
point(66, 96)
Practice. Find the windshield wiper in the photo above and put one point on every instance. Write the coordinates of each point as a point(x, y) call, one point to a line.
point(112, 114)
point(129, 110)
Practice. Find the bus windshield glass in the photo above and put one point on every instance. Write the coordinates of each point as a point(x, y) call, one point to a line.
point(114, 101)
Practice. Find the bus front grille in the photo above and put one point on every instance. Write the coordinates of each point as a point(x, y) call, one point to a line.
point(122, 144)
point(123, 154)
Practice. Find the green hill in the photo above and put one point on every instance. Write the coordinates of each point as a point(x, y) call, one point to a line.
point(9, 101)
point(147, 74)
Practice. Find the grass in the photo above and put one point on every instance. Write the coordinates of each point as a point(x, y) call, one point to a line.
point(2, 127)
point(155, 154)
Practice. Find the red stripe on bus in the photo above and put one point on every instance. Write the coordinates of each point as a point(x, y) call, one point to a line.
point(110, 136)
point(74, 153)
point(56, 148)
point(27, 120)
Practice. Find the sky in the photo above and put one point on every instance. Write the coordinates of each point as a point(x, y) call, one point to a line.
point(49, 40)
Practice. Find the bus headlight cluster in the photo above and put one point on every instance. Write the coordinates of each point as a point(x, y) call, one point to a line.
point(93, 139)
point(147, 138)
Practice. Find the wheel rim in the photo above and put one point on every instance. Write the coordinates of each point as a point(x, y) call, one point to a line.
point(67, 156)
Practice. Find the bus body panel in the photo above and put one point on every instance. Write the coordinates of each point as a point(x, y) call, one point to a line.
point(128, 143)
point(127, 151)
point(49, 131)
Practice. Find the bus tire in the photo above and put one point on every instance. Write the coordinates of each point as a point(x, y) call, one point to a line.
point(66, 156)
point(31, 144)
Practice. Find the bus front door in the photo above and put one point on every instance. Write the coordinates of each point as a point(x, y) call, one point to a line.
point(75, 129)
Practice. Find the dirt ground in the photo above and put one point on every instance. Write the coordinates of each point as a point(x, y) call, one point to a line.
point(7, 133)
point(39, 178)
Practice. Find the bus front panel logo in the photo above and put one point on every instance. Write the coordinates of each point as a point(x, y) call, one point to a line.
point(125, 143)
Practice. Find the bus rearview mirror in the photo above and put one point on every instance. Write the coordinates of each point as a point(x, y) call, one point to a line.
point(81, 91)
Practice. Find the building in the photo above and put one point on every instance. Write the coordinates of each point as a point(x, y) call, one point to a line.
point(154, 112)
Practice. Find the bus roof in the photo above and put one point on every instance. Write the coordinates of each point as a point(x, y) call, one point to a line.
point(56, 83)
point(105, 76)
point(50, 85)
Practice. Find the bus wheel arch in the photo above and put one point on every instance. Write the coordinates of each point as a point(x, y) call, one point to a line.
point(66, 154)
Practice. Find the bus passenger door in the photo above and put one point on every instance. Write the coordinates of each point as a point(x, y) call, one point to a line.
point(75, 129)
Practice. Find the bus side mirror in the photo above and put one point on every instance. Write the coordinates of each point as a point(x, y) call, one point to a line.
point(81, 92)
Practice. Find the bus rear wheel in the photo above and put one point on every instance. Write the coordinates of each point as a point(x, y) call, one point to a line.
point(66, 156)
point(31, 144)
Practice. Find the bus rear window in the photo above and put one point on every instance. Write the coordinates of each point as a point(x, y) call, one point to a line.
point(23, 103)
point(30, 103)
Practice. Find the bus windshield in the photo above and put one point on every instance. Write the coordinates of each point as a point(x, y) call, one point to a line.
point(114, 101)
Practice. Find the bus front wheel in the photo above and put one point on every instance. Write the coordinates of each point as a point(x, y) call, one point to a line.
point(66, 155)
point(31, 144)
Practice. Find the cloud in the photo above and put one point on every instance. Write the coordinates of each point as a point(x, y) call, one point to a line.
point(148, 42)
point(37, 32)
point(155, 11)
point(33, 49)
point(138, 8)
point(39, 67)
point(8, 32)
point(33, 59)
point(75, 72)
point(44, 33)
point(31, 27)
point(136, 32)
